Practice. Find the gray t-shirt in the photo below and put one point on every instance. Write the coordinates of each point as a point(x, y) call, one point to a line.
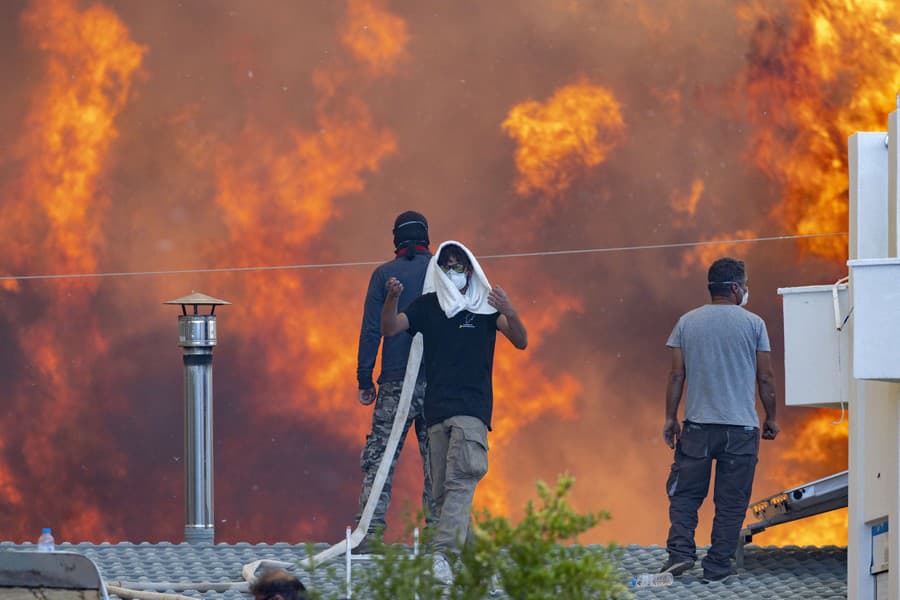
point(719, 343)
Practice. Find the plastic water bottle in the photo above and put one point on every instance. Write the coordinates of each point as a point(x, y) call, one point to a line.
point(45, 542)
point(652, 580)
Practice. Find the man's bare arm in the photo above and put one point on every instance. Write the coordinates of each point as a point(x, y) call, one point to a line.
point(508, 322)
point(674, 391)
point(765, 381)
point(391, 322)
point(512, 327)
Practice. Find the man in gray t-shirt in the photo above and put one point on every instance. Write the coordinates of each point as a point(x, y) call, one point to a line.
point(721, 352)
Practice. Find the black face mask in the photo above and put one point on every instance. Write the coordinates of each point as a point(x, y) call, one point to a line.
point(410, 227)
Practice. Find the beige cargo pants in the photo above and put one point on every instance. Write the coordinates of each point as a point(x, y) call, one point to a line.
point(457, 460)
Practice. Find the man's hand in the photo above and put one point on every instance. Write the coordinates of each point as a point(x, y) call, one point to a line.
point(671, 431)
point(392, 322)
point(499, 300)
point(394, 288)
point(770, 429)
point(367, 397)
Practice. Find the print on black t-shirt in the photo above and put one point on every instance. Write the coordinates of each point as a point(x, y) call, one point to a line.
point(459, 356)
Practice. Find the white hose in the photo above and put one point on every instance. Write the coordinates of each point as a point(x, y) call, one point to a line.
point(839, 321)
point(409, 386)
point(180, 586)
point(143, 594)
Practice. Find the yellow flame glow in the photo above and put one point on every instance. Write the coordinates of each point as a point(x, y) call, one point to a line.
point(573, 131)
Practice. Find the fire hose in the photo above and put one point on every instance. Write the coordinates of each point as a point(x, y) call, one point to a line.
point(409, 385)
point(151, 591)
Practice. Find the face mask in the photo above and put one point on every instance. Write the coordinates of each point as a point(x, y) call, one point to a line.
point(745, 298)
point(458, 279)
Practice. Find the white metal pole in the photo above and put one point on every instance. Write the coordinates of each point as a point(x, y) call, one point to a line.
point(347, 563)
point(416, 551)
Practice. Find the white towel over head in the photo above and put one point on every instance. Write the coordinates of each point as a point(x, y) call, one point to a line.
point(451, 299)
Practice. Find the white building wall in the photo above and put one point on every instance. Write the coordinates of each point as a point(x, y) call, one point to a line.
point(873, 439)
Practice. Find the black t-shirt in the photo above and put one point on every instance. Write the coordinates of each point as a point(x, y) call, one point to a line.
point(459, 357)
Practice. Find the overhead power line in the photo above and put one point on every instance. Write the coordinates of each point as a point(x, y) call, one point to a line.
point(612, 249)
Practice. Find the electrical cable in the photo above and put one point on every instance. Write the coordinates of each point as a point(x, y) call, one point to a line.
point(369, 263)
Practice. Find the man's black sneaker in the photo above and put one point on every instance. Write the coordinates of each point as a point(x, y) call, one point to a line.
point(717, 578)
point(676, 566)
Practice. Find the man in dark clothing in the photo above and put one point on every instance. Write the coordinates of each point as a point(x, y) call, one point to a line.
point(722, 352)
point(458, 315)
point(411, 260)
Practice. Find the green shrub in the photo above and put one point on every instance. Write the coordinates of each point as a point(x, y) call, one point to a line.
point(536, 559)
point(397, 574)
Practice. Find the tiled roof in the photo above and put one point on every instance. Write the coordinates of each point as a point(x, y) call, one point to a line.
point(770, 572)
point(777, 573)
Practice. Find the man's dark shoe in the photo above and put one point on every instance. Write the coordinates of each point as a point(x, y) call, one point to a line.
point(676, 566)
point(717, 578)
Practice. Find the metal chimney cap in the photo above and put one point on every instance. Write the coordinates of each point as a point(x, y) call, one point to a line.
point(198, 299)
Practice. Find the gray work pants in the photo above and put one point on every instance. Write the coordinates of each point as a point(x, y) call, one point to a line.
point(735, 450)
point(457, 460)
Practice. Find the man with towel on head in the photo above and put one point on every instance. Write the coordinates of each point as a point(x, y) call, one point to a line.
point(458, 315)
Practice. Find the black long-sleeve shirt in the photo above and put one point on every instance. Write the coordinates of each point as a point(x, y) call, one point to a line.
point(395, 352)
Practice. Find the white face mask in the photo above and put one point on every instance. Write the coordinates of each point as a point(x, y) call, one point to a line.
point(745, 298)
point(458, 279)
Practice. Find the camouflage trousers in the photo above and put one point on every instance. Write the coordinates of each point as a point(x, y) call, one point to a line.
point(382, 421)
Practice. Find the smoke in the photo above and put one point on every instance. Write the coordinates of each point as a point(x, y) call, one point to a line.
point(294, 134)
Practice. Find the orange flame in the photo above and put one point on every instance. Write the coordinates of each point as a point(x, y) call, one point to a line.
point(90, 65)
point(280, 191)
point(281, 197)
point(525, 394)
point(294, 183)
point(816, 76)
point(276, 202)
point(827, 529)
point(819, 450)
point(9, 488)
point(574, 130)
point(91, 62)
point(700, 257)
point(823, 435)
point(813, 81)
point(373, 36)
point(686, 204)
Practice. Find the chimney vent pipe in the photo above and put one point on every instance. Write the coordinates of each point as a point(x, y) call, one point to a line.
point(197, 338)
